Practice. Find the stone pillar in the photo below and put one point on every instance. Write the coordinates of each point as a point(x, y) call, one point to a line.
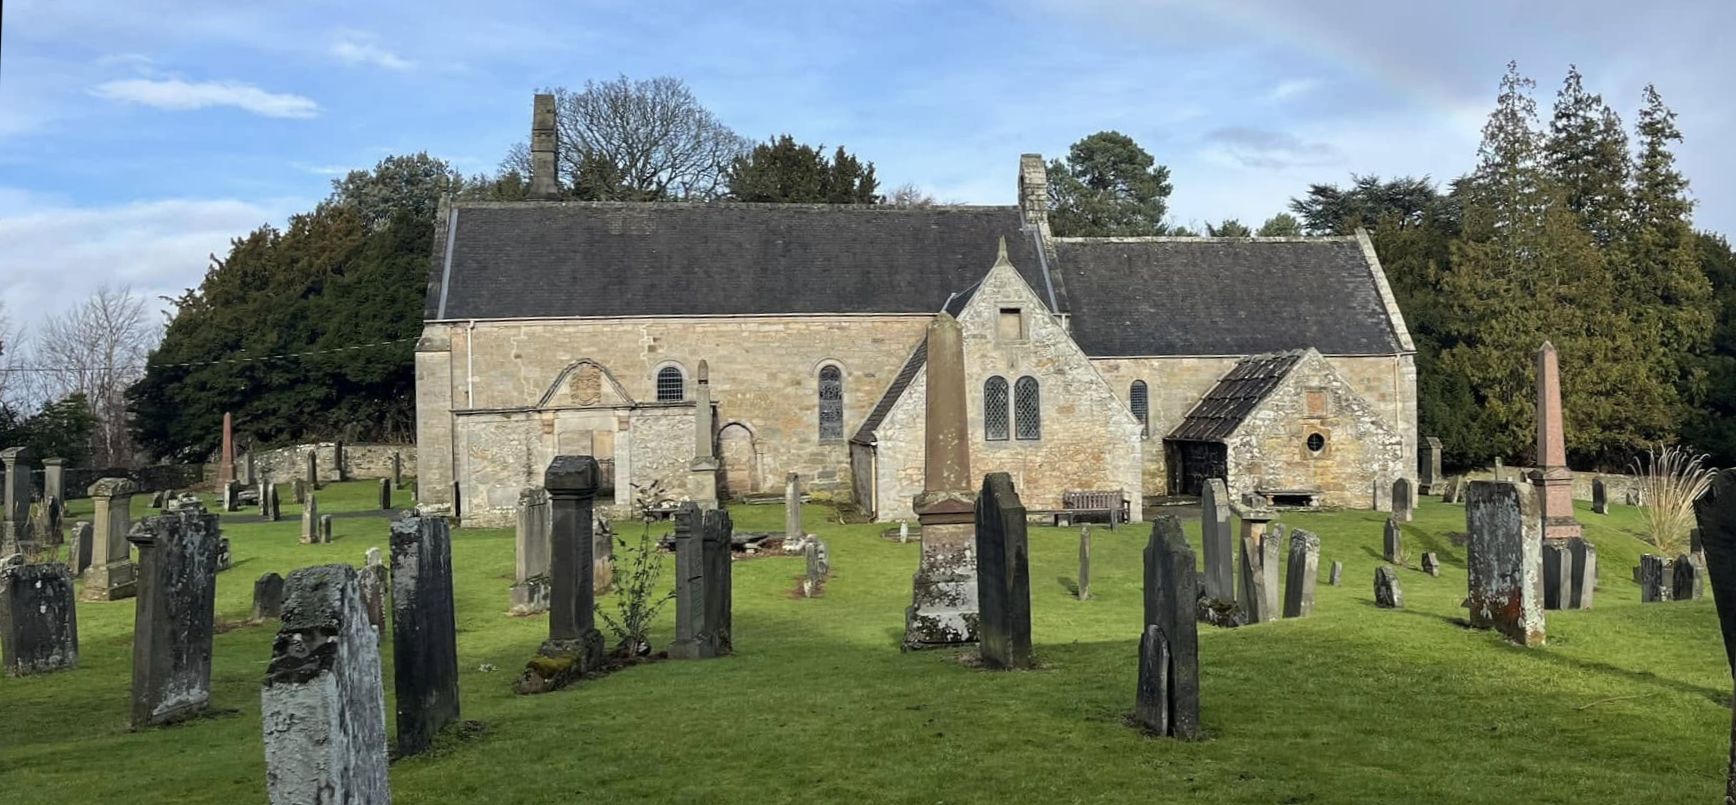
point(1217, 542)
point(15, 529)
point(530, 590)
point(702, 471)
point(174, 618)
point(1599, 496)
point(310, 520)
point(226, 463)
point(1252, 593)
point(1504, 561)
point(323, 706)
point(312, 473)
point(704, 584)
point(572, 483)
point(1085, 563)
point(54, 480)
point(397, 471)
point(1553, 480)
point(544, 146)
point(793, 533)
point(38, 618)
point(112, 574)
point(943, 609)
point(1429, 477)
point(268, 597)
point(339, 471)
point(1304, 570)
point(1167, 701)
point(1003, 575)
point(385, 495)
point(424, 633)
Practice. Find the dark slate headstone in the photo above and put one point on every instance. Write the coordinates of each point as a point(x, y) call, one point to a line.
point(1304, 568)
point(424, 633)
point(1171, 599)
point(268, 597)
point(1431, 563)
point(1656, 581)
point(1403, 502)
point(1337, 576)
point(1688, 583)
point(38, 618)
point(1392, 543)
point(1715, 513)
point(1003, 575)
point(174, 618)
point(1599, 497)
point(385, 495)
point(325, 528)
point(79, 548)
point(1584, 573)
point(703, 584)
point(1387, 593)
point(323, 705)
point(572, 483)
point(1504, 560)
point(1217, 542)
point(1557, 574)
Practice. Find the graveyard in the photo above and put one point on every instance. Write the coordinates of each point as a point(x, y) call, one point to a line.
point(1626, 702)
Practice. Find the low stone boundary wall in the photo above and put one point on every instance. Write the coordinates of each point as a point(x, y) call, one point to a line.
point(1617, 485)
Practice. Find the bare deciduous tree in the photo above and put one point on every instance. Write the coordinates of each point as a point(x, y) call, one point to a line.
point(909, 195)
point(99, 349)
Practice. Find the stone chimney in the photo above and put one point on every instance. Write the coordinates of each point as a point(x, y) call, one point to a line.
point(544, 142)
point(1034, 191)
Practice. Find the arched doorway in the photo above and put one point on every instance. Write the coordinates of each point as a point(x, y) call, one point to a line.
point(740, 459)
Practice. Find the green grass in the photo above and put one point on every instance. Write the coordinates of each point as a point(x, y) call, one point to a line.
point(1355, 704)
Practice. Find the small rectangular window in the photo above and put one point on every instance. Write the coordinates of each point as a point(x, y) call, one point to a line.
point(1011, 324)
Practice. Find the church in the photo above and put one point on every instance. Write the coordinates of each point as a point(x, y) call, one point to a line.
point(1138, 365)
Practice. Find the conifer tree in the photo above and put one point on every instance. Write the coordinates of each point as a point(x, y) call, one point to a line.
point(1587, 155)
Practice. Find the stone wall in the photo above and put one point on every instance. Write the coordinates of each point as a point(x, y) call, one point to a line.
point(1617, 485)
point(361, 461)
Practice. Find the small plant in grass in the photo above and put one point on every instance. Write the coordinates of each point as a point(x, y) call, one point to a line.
point(638, 569)
point(1670, 480)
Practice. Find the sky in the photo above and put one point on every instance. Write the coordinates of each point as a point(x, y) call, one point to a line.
point(137, 138)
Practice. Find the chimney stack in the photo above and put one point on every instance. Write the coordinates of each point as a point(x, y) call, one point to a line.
point(1034, 190)
point(544, 142)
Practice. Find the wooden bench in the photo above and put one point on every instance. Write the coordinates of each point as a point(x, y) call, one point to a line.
point(1111, 504)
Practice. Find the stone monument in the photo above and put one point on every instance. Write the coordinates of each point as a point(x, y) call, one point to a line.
point(702, 471)
point(1504, 560)
point(112, 573)
point(1003, 575)
point(943, 609)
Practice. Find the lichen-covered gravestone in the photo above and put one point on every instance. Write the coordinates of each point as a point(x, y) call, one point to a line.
point(310, 521)
point(1167, 699)
point(424, 633)
point(1403, 502)
point(79, 547)
point(38, 618)
point(323, 706)
point(1217, 543)
point(268, 597)
point(1304, 570)
point(530, 591)
point(173, 622)
point(1003, 575)
point(374, 584)
point(1504, 561)
point(1392, 542)
point(1387, 592)
point(703, 584)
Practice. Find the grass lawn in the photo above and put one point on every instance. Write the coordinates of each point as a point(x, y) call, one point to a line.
point(1627, 703)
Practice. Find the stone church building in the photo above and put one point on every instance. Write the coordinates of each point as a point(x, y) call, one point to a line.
point(1136, 364)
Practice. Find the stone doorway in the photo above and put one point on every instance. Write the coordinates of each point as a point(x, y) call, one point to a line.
point(739, 455)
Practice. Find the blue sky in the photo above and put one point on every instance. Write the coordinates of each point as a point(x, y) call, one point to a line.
point(137, 137)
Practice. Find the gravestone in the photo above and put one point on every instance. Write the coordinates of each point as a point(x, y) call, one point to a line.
point(339, 463)
point(112, 574)
point(231, 496)
point(1455, 490)
point(274, 506)
point(79, 548)
point(1304, 569)
point(397, 470)
point(574, 646)
point(1688, 582)
point(1217, 544)
point(1271, 554)
point(1337, 575)
point(530, 590)
point(943, 607)
point(903, 531)
point(325, 528)
point(385, 495)
point(226, 459)
point(1504, 561)
point(1552, 480)
point(1251, 592)
point(1167, 698)
point(1403, 502)
point(703, 585)
point(311, 478)
point(54, 512)
point(1085, 563)
point(1500, 471)
point(310, 520)
point(15, 522)
point(1387, 593)
point(262, 495)
point(814, 552)
point(298, 490)
point(38, 618)
point(1715, 514)
point(793, 533)
point(173, 623)
point(323, 706)
point(424, 634)
point(1003, 575)
point(54, 479)
point(268, 597)
point(1584, 574)
point(1429, 477)
point(1392, 543)
point(374, 584)
point(1657, 582)
point(1599, 497)
point(1431, 563)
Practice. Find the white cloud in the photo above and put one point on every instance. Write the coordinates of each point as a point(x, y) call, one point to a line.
point(357, 48)
point(1291, 88)
point(181, 95)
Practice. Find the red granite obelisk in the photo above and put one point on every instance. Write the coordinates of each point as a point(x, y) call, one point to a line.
point(943, 609)
point(226, 470)
point(1553, 480)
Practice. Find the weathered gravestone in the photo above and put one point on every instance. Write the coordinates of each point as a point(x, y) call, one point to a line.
point(1657, 582)
point(1217, 544)
point(385, 495)
point(530, 590)
point(1392, 543)
point(374, 584)
point(1304, 569)
point(1715, 513)
point(1688, 582)
point(274, 506)
point(704, 589)
point(15, 524)
point(79, 547)
point(312, 477)
point(54, 480)
point(1455, 490)
point(943, 607)
point(1337, 573)
point(574, 646)
point(1429, 477)
point(38, 618)
point(310, 521)
point(298, 491)
point(1431, 563)
point(1569, 573)
point(112, 574)
point(818, 566)
point(1253, 594)
point(1403, 501)
point(397, 470)
point(1167, 699)
point(1504, 561)
point(1271, 554)
point(268, 597)
point(325, 528)
point(323, 706)
point(1003, 575)
point(1599, 497)
point(793, 533)
point(1084, 592)
point(424, 634)
point(1387, 592)
point(173, 621)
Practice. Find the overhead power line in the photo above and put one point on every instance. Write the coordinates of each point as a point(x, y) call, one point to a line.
point(248, 359)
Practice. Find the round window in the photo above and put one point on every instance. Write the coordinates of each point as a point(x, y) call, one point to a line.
point(1316, 442)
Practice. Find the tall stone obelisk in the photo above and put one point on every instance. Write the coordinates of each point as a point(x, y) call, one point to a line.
point(1553, 480)
point(702, 472)
point(943, 609)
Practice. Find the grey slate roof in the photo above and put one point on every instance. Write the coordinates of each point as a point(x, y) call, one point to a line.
point(569, 259)
point(918, 358)
point(1231, 296)
point(1237, 394)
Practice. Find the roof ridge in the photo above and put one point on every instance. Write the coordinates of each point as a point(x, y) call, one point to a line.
point(722, 205)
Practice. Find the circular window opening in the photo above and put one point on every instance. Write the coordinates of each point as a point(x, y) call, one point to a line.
point(1316, 442)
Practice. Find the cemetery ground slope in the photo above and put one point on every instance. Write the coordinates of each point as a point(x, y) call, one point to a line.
point(1628, 703)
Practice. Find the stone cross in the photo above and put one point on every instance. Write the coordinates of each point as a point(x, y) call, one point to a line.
point(1599, 496)
point(112, 573)
point(1553, 480)
point(1392, 542)
point(79, 548)
point(1715, 514)
point(943, 608)
point(174, 620)
point(1216, 542)
point(1304, 569)
point(1085, 563)
point(1387, 592)
point(268, 597)
point(323, 705)
point(1504, 561)
point(530, 590)
point(793, 532)
point(704, 587)
point(572, 483)
point(702, 471)
point(310, 520)
point(1167, 701)
point(1003, 575)
point(1403, 502)
point(19, 490)
point(226, 461)
point(38, 618)
point(424, 633)
point(1429, 477)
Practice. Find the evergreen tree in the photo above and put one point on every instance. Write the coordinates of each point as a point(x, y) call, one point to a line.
point(1667, 279)
point(1587, 156)
point(786, 171)
point(1230, 228)
point(1108, 186)
point(1282, 225)
point(1332, 210)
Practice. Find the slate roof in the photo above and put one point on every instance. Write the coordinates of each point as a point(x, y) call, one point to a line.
point(571, 259)
point(1237, 394)
point(1229, 296)
point(918, 358)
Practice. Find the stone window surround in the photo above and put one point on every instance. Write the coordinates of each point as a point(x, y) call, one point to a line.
point(657, 374)
point(819, 401)
point(1325, 443)
point(1139, 402)
point(997, 417)
point(1018, 308)
point(1027, 423)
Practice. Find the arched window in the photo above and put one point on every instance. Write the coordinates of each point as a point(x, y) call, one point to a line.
point(1027, 410)
point(1141, 404)
point(671, 385)
point(995, 409)
point(831, 403)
